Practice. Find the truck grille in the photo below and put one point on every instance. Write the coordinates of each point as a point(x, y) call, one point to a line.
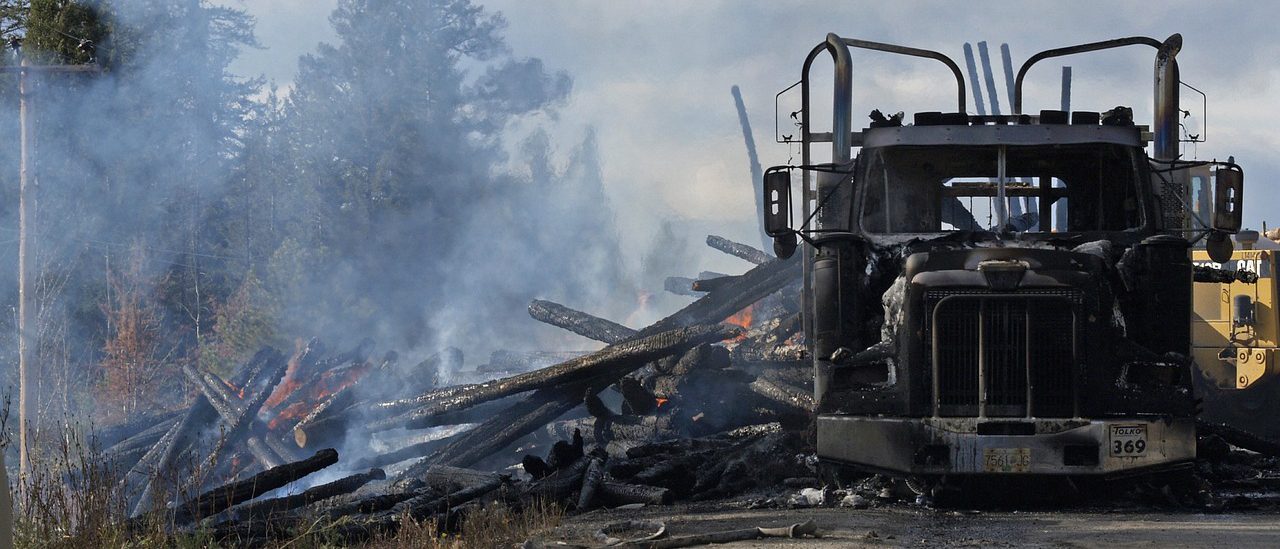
point(1018, 350)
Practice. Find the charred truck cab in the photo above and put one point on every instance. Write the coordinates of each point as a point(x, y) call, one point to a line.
point(1001, 295)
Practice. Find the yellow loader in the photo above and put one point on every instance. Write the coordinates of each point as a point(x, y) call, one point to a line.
point(1235, 329)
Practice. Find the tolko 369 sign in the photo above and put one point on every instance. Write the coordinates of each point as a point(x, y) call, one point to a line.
point(1128, 440)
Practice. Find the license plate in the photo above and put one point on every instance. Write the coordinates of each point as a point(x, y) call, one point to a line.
point(1006, 460)
point(1129, 440)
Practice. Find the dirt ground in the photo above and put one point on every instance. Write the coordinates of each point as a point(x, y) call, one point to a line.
point(902, 525)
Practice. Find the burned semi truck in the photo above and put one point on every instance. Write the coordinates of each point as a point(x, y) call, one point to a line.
point(958, 323)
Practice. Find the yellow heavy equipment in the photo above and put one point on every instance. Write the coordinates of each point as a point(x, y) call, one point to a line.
point(1235, 332)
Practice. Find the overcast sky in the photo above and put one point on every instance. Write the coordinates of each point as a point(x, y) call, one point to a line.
point(654, 77)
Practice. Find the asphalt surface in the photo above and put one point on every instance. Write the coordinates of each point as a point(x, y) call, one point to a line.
point(903, 525)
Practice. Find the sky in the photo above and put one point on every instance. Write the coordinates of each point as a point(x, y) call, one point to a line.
point(653, 78)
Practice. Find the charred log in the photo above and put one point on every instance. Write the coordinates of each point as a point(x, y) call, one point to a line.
point(635, 429)
point(369, 504)
point(263, 454)
point(790, 398)
point(578, 322)
point(445, 479)
point(723, 302)
point(262, 385)
point(142, 471)
point(591, 480)
point(561, 484)
point(181, 436)
point(214, 501)
point(412, 420)
point(285, 451)
point(503, 429)
point(275, 506)
point(739, 250)
point(214, 395)
point(423, 506)
point(513, 361)
point(618, 493)
point(109, 437)
point(680, 285)
point(143, 439)
point(345, 397)
point(412, 451)
point(608, 364)
point(701, 357)
point(635, 398)
point(184, 434)
point(713, 284)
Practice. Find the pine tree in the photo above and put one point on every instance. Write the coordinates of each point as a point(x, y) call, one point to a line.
point(400, 151)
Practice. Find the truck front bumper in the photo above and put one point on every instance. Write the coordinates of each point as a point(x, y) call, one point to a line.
point(943, 446)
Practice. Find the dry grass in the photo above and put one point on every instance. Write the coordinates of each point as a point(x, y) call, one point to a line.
point(70, 499)
point(489, 526)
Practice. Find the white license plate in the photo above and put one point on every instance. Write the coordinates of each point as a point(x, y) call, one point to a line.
point(1128, 440)
point(1006, 460)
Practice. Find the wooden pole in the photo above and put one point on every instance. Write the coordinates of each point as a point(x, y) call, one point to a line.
point(26, 209)
point(28, 187)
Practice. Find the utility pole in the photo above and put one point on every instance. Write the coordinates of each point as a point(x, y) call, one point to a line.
point(28, 190)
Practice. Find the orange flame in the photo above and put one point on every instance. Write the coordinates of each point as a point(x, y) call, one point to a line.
point(295, 411)
point(289, 383)
point(741, 319)
point(317, 391)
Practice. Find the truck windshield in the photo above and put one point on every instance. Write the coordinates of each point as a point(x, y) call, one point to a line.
point(1061, 188)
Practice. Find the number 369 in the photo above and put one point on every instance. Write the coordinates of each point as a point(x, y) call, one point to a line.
point(1129, 446)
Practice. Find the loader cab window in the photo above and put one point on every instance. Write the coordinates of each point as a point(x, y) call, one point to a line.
point(940, 189)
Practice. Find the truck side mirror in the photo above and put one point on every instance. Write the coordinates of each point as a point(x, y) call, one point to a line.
point(1228, 196)
point(777, 210)
point(777, 201)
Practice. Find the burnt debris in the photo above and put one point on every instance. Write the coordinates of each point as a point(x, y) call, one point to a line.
point(711, 401)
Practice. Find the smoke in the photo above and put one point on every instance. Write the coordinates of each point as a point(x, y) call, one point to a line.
point(126, 164)
point(404, 188)
point(423, 234)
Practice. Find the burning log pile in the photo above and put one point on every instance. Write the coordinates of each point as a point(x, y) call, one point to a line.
point(708, 402)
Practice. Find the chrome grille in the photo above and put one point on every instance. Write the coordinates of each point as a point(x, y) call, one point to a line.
point(1003, 355)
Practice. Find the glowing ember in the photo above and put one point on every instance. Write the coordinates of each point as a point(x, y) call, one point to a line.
point(238, 391)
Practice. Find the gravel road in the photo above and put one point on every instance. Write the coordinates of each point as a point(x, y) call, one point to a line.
point(894, 526)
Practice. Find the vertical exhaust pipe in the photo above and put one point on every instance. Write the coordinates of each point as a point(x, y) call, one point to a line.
point(825, 267)
point(842, 108)
point(841, 133)
point(1165, 146)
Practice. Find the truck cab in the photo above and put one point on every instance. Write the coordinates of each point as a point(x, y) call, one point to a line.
point(996, 295)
